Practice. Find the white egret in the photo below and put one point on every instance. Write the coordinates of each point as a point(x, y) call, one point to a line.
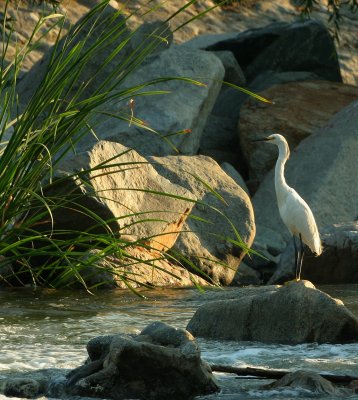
point(294, 211)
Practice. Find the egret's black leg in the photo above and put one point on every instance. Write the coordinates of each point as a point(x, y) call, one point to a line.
point(296, 256)
point(302, 250)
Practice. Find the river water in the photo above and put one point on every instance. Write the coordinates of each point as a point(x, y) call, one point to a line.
point(50, 329)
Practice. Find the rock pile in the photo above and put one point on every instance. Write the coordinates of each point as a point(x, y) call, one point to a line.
point(296, 66)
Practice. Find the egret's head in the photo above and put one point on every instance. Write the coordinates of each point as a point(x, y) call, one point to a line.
point(274, 139)
point(279, 141)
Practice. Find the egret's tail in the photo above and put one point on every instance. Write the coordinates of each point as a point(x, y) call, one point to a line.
point(317, 246)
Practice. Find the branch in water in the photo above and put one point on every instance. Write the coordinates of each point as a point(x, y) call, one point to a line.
point(274, 373)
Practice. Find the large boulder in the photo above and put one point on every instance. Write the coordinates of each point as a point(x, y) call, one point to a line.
point(110, 19)
point(219, 139)
point(300, 46)
point(100, 66)
point(184, 109)
point(299, 109)
point(131, 195)
point(322, 169)
point(337, 264)
point(160, 363)
point(294, 313)
point(205, 240)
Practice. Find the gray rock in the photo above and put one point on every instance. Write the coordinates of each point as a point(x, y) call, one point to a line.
point(233, 71)
point(156, 35)
point(322, 169)
point(234, 174)
point(165, 335)
point(270, 78)
point(305, 46)
point(141, 265)
point(299, 46)
point(205, 243)
point(269, 240)
point(23, 387)
point(110, 19)
point(229, 103)
point(225, 156)
point(160, 363)
point(98, 347)
point(185, 108)
point(245, 276)
point(210, 41)
point(219, 134)
point(294, 313)
point(32, 384)
point(310, 381)
point(339, 260)
point(337, 264)
point(268, 246)
point(285, 266)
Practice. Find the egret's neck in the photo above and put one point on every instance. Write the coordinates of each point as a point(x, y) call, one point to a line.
point(280, 181)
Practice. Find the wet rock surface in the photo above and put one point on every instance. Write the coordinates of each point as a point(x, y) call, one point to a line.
point(309, 381)
point(294, 313)
point(160, 363)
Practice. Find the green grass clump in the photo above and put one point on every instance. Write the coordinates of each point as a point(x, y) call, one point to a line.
point(34, 249)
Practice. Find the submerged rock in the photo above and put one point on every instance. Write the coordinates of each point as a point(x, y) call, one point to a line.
point(33, 384)
point(294, 313)
point(309, 381)
point(160, 363)
point(22, 387)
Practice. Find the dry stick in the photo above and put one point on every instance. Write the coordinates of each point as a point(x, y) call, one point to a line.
point(274, 373)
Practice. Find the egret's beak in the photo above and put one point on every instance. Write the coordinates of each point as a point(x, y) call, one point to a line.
point(266, 139)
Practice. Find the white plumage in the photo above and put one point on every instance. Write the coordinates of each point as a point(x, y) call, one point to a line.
point(294, 211)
